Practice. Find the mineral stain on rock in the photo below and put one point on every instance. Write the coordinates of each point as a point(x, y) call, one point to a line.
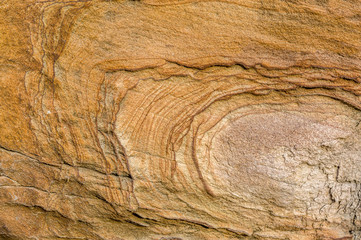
point(180, 119)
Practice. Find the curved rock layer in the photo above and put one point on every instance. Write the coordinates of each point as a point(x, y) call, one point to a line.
point(180, 119)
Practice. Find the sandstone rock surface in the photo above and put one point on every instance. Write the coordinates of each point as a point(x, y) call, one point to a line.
point(180, 119)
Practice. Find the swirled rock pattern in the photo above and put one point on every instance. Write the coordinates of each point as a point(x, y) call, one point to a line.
point(180, 119)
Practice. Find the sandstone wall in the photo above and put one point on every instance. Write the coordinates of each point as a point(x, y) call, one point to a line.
point(180, 119)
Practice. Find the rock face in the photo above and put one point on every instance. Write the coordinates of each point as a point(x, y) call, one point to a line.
point(180, 119)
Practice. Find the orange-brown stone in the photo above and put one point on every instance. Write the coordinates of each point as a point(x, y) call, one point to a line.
point(180, 119)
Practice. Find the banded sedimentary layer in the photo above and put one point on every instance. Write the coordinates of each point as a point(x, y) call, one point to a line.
point(233, 119)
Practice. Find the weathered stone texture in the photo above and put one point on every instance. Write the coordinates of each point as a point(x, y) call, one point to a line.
point(171, 119)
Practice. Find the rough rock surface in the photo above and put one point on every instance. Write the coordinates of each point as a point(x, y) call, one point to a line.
point(180, 119)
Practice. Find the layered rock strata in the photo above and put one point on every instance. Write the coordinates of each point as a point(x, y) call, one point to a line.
point(224, 119)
